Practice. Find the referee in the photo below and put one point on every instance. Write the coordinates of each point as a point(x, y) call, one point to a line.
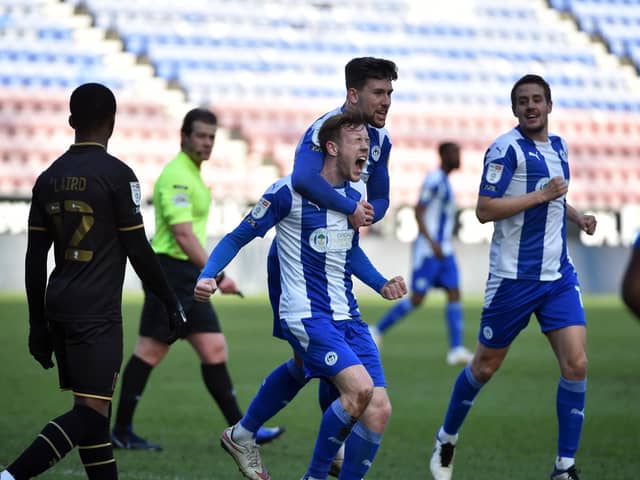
point(181, 200)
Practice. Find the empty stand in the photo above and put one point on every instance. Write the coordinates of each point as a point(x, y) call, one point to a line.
point(269, 69)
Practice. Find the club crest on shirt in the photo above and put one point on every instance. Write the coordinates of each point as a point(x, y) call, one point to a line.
point(487, 333)
point(136, 194)
point(260, 208)
point(319, 240)
point(331, 358)
point(563, 155)
point(494, 172)
point(375, 153)
point(540, 184)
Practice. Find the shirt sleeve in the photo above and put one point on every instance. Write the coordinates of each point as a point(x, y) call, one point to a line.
point(127, 197)
point(363, 269)
point(273, 206)
point(307, 181)
point(38, 245)
point(175, 196)
point(500, 163)
point(429, 190)
point(378, 191)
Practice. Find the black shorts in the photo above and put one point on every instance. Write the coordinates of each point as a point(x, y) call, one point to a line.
point(88, 355)
point(182, 276)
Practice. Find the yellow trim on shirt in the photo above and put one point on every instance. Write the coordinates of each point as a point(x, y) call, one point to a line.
point(128, 229)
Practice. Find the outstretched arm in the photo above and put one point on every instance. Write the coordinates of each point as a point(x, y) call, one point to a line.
point(220, 257)
point(363, 269)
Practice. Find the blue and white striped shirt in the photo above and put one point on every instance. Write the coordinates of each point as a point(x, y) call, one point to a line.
point(531, 244)
point(439, 217)
point(314, 252)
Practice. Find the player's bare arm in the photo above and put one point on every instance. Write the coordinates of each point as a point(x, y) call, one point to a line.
point(587, 223)
point(189, 243)
point(490, 209)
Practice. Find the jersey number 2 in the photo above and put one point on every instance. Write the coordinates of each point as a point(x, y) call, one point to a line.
point(72, 252)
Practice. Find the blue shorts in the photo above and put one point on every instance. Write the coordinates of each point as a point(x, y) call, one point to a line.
point(329, 346)
point(509, 303)
point(435, 272)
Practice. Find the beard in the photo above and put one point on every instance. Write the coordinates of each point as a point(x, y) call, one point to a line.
point(533, 130)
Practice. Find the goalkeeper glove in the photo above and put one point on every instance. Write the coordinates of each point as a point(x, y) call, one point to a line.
point(40, 345)
point(177, 323)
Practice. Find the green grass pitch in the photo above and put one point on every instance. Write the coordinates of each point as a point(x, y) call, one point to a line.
point(510, 433)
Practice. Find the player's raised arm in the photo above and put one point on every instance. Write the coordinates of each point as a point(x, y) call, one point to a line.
point(307, 181)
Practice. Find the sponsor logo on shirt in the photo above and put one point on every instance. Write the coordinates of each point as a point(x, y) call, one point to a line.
point(494, 172)
point(260, 209)
point(323, 240)
point(136, 194)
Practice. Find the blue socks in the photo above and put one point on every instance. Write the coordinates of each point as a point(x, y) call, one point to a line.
point(335, 427)
point(570, 409)
point(464, 393)
point(394, 314)
point(278, 389)
point(453, 312)
point(361, 448)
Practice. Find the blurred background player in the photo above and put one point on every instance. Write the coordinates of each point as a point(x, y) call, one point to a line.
point(181, 201)
point(523, 191)
point(434, 263)
point(319, 313)
point(87, 203)
point(631, 280)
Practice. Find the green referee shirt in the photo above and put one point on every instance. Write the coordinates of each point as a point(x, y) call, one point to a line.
point(179, 196)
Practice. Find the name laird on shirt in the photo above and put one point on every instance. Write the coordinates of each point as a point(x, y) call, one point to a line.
point(69, 184)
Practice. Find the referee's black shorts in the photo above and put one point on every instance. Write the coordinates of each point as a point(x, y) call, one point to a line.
point(88, 355)
point(182, 276)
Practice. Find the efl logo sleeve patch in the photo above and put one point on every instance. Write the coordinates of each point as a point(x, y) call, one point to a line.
point(494, 172)
point(136, 194)
point(260, 209)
